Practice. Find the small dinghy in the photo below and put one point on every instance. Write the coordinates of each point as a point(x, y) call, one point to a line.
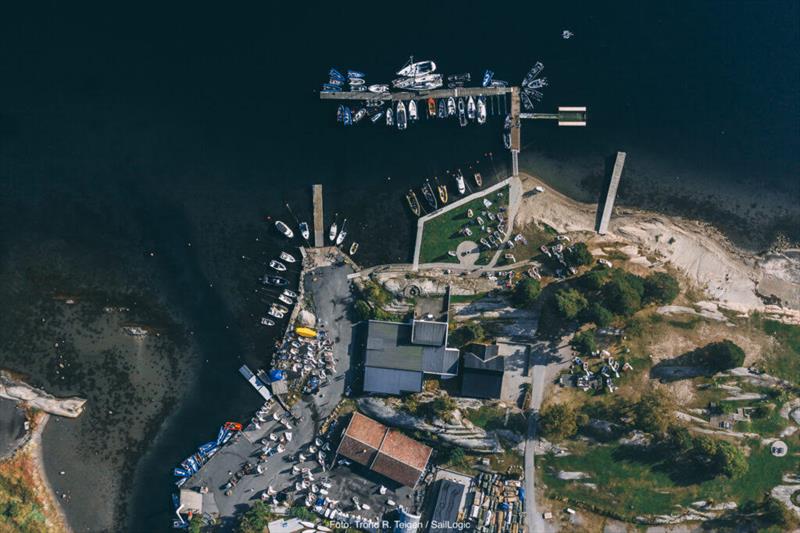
point(478, 179)
point(353, 248)
point(290, 294)
point(285, 299)
point(267, 322)
point(289, 258)
point(277, 265)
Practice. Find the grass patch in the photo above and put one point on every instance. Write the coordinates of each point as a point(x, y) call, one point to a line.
point(491, 417)
point(441, 233)
point(783, 360)
point(640, 483)
point(466, 298)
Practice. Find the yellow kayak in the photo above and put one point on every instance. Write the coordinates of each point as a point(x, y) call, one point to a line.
point(306, 332)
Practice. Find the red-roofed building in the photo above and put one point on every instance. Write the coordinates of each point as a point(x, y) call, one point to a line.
point(384, 450)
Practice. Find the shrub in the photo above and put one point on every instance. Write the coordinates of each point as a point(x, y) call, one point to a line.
point(660, 288)
point(578, 254)
point(256, 518)
point(593, 280)
point(558, 422)
point(570, 303)
point(465, 334)
point(526, 292)
point(653, 413)
point(442, 406)
point(584, 342)
point(730, 460)
point(302, 513)
point(362, 310)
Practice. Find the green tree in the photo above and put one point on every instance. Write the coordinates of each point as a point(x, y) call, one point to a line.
point(653, 412)
point(593, 280)
point(722, 355)
point(578, 254)
point(598, 314)
point(456, 456)
point(472, 331)
point(570, 303)
point(679, 440)
point(256, 518)
point(660, 288)
point(298, 511)
point(584, 342)
point(526, 292)
point(558, 421)
point(621, 296)
point(729, 460)
point(196, 524)
point(442, 406)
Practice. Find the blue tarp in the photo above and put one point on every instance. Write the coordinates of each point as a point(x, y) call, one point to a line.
point(276, 375)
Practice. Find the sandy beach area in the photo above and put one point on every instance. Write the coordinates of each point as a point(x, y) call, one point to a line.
point(734, 279)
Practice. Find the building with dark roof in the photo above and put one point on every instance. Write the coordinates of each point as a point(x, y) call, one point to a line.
point(447, 507)
point(384, 450)
point(483, 369)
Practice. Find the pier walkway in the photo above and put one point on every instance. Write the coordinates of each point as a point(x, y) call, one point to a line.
point(319, 221)
point(421, 95)
point(608, 205)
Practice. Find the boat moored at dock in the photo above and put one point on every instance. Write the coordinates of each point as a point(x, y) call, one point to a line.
point(402, 121)
point(277, 265)
point(413, 202)
point(283, 228)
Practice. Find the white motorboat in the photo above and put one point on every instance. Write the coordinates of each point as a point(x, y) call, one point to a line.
point(389, 117)
point(280, 308)
point(333, 230)
point(416, 68)
point(285, 299)
point(471, 108)
point(462, 186)
point(283, 228)
point(304, 231)
point(419, 83)
point(401, 116)
point(342, 234)
point(277, 265)
point(378, 88)
point(286, 256)
point(290, 294)
point(412, 110)
point(451, 106)
point(481, 110)
point(275, 313)
point(353, 248)
point(267, 322)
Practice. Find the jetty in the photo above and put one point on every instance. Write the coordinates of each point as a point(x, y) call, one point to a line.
point(565, 116)
point(319, 221)
point(608, 205)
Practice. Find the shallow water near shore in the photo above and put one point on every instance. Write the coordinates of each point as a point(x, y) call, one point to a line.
point(138, 163)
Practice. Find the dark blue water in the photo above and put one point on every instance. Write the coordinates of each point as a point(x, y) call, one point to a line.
point(128, 130)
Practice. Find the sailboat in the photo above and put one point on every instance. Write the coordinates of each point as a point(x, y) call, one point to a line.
point(401, 116)
point(412, 110)
point(481, 110)
point(332, 232)
point(418, 68)
point(471, 108)
point(342, 234)
point(413, 203)
point(427, 191)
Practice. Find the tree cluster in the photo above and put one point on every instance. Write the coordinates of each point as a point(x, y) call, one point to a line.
point(717, 356)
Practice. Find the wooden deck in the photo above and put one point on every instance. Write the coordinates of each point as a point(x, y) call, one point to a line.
point(319, 221)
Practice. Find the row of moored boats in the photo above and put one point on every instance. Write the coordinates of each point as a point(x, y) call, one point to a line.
point(400, 114)
point(437, 192)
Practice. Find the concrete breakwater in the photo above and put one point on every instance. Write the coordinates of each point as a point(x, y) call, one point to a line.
point(29, 396)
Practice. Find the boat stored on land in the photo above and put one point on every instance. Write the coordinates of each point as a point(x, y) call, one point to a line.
point(277, 265)
point(413, 203)
point(283, 228)
point(402, 121)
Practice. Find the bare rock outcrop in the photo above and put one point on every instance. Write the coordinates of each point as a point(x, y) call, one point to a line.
point(38, 399)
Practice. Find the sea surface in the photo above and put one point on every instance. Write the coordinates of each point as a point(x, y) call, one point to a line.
point(143, 148)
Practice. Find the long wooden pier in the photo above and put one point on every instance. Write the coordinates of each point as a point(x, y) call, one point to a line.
point(421, 95)
point(608, 205)
point(319, 221)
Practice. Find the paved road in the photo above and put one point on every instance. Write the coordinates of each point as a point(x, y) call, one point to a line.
point(331, 293)
point(547, 363)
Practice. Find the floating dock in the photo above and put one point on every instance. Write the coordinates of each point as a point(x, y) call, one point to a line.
point(255, 382)
point(608, 205)
point(421, 95)
point(319, 221)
